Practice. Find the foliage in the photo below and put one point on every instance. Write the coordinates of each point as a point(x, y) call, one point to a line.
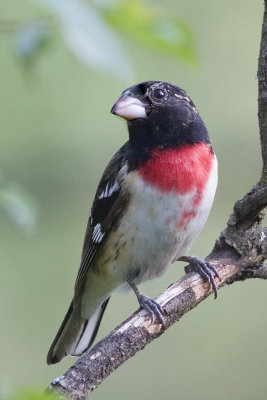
point(30, 39)
point(94, 32)
point(152, 27)
point(32, 394)
point(18, 205)
point(88, 37)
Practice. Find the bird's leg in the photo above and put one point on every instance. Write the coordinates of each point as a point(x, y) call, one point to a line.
point(204, 268)
point(154, 310)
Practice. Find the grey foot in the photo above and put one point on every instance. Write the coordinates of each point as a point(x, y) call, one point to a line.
point(154, 310)
point(204, 268)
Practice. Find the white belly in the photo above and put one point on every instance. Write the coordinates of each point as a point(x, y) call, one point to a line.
point(154, 232)
point(156, 229)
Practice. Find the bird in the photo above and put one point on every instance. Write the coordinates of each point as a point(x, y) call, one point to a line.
point(152, 201)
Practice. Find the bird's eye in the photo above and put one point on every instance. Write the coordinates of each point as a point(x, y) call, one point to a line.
point(159, 94)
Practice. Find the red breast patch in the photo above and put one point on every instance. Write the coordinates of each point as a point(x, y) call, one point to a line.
point(180, 170)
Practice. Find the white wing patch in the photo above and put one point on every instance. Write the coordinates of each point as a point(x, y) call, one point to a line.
point(97, 235)
point(109, 190)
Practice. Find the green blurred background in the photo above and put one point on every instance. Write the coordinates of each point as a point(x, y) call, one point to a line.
point(56, 137)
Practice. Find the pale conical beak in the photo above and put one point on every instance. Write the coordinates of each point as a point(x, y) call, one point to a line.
point(129, 107)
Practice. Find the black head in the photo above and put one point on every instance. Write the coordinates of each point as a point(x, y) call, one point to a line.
point(160, 114)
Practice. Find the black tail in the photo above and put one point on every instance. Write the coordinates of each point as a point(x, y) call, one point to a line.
point(75, 334)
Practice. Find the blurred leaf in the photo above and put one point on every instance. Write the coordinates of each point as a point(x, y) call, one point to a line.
point(89, 37)
point(30, 39)
point(19, 206)
point(162, 32)
point(32, 394)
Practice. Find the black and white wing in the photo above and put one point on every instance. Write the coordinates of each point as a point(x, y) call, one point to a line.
point(108, 206)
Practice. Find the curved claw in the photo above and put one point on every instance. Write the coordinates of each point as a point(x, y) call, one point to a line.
point(205, 269)
point(154, 310)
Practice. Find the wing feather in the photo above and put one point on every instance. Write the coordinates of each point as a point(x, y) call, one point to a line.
point(109, 203)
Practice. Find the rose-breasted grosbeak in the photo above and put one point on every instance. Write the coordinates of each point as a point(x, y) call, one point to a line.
point(152, 201)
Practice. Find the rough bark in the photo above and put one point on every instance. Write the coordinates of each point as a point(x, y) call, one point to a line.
point(238, 254)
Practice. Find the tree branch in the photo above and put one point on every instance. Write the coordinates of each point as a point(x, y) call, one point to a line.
point(239, 254)
point(262, 99)
point(135, 333)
